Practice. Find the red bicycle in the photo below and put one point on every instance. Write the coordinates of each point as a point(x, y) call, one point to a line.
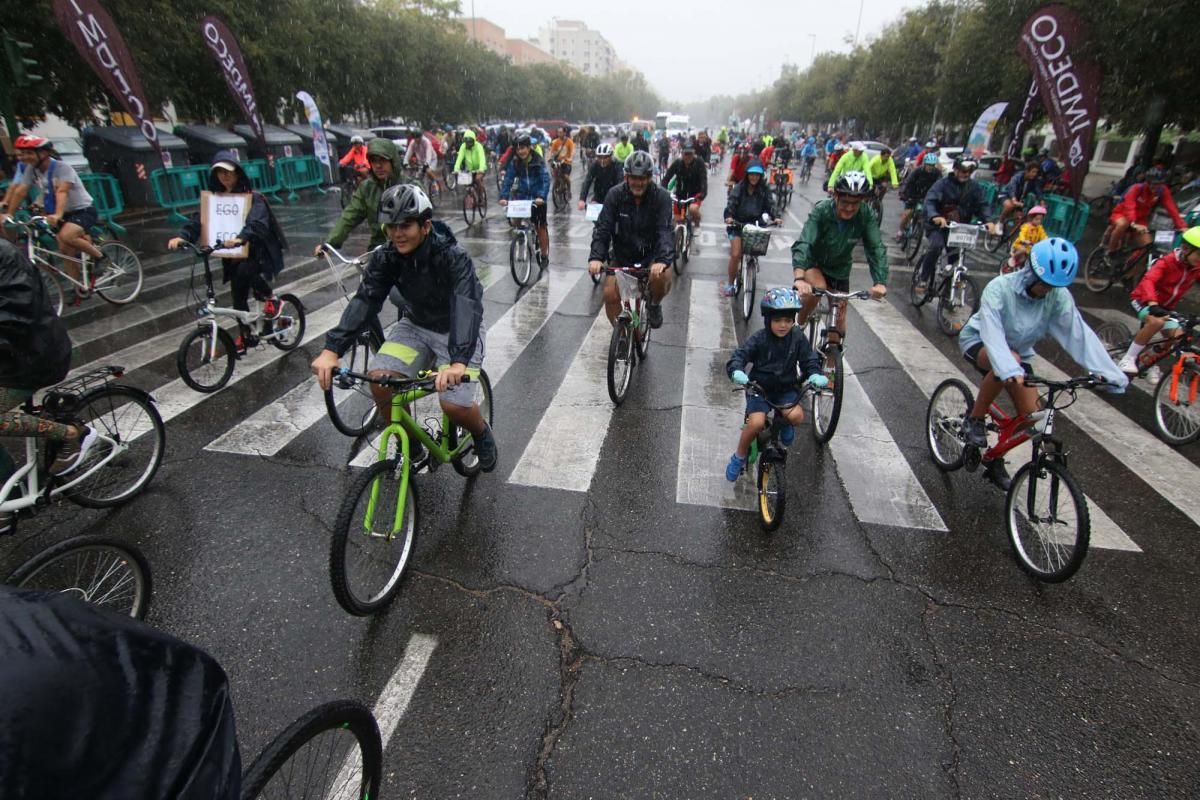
point(1045, 512)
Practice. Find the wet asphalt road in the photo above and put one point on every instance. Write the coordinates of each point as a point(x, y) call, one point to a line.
point(614, 642)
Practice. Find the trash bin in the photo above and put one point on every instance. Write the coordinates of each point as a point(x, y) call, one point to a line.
point(281, 142)
point(123, 151)
point(204, 141)
point(306, 138)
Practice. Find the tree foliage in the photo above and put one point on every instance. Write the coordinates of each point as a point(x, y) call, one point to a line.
point(359, 60)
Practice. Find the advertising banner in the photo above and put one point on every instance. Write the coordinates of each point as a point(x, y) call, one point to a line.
point(981, 134)
point(1069, 87)
point(320, 144)
point(224, 48)
point(89, 27)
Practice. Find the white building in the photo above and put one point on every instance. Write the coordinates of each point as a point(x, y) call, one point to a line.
point(585, 49)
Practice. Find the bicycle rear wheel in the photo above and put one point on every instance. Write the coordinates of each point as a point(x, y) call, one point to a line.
point(992, 241)
point(620, 361)
point(957, 303)
point(352, 409)
point(1098, 274)
point(367, 557)
point(519, 261)
point(290, 321)
point(204, 365)
point(948, 407)
point(827, 402)
point(1047, 520)
point(747, 286)
point(119, 279)
point(467, 464)
point(53, 288)
point(128, 417)
point(333, 751)
point(94, 569)
point(1177, 421)
point(772, 493)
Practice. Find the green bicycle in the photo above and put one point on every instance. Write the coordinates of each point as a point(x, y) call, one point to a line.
point(377, 522)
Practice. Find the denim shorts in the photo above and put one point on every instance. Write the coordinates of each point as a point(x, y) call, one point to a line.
point(756, 404)
point(408, 349)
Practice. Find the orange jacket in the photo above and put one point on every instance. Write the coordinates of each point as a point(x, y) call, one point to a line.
point(357, 156)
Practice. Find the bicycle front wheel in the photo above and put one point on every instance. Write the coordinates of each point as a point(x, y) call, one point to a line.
point(916, 295)
point(289, 326)
point(749, 285)
point(203, 364)
point(957, 303)
point(620, 361)
point(333, 751)
point(469, 207)
point(1047, 520)
point(772, 493)
point(1098, 274)
point(127, 417)
point(93, 569)
point(467, 464)
point(1116, 337)
point(118, 279)
point(827, 402)
point(52, 286)
point(913, 238)
point(1177, 421)
point(679, 242)
point(948, 407)
point(992, 241)
point(370, 547)
point(519, 261)
point(352, 410)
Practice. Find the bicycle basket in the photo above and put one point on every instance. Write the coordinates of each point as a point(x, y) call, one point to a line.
point(755, 240)
point(963, 236)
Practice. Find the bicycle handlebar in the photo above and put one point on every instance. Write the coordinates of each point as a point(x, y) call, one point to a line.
point(636, 270)
point(330, 252)
point(861, 294)
point(1069, 385)
point(424, 379)
point(754, 388)
point(203, 251)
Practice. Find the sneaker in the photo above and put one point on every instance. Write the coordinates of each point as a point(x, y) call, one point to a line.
point(997, 474)
point(899, 237)
point(654, 315)
point(271, 307)
point(485, 450)
point(976, 432)
point(787, 436)
point(736, 463)
point(239, 346)
point(73, 451)
point(728, 289)
point(919, 288)
point(1128, 365)
point(417, 452)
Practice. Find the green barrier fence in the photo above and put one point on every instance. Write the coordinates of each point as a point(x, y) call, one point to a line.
point(300, 172)
point(990, 191)
point(179, 187)
point(106, 197)
point(262, 178)
point(1065, 216)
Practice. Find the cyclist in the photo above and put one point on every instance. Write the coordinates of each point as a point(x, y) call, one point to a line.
point(1030, 234)
point(442, 323)
point(386, 170)
point(809, 153)
point(834, 157)
point(35, 351)
point(526, 177)
point(664, 152)
point(1133, 212)
point(782, 359)
point(767, 154)
point(16, 194)
point(915, 187)
point(591, 141)
point(704, 147)
point(1016, 311)
point(354, 163)
point(856, 160)
point(472, 157)
point(748, 202)
point(723, 138)
point(881, 170)
point(636, 222)
point(1158, 292)
point(641, 141)
point(260, 233)
point(821, 257)
point(783, 152)
point(622, 149)
point(1017, 190)
point(954, 198)
point(562, 153)
point(67, 204)
point(930, 147)
point(503, 140)
point(423, 153)
point(603, 174)
point(691, 180)
point(909, 151)
point(737, 166)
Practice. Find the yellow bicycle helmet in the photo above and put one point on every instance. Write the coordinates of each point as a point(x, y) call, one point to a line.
point(1192, 237)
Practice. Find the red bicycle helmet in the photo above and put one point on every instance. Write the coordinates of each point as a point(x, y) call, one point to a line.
point(30, 142)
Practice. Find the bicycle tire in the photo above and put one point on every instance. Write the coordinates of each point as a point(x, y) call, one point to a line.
point(679, 235)
point(916, 299)
point(293, 322)
point(433, 192)
point(641, 336)
point(1176, 423)
point(333, 717)
point(992, 241)
point(914, 236)
point(468, 207)
point(1098, 274)
point(481, 202)
point(620, 362)
point(519, 261)
point(827, 402)
point(948, 405)
point(951, 318)
point(772, 493)
point(201, 337)
point(749, 286)
point(53, 289)
point(123, 271)
point(401, 544)
point(467, 464)
point(1116, 337)
point(687, 247)
point(353, 411)
point(127, 594)
point(344, 195)
point(1057, 568)
point(561, 196)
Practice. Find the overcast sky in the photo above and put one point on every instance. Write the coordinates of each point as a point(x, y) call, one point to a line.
point(693, 50)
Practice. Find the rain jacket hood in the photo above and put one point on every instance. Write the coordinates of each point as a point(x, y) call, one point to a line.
point(364, 205)
point(214, 184)
point(35, 350)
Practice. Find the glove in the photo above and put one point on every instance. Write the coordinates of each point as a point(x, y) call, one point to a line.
point(817, 381)
point(1158, 311)
point(740, 378)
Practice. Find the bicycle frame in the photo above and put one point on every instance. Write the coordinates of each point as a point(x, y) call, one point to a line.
point(209, 312)
point(630, 302)
point(42, 256)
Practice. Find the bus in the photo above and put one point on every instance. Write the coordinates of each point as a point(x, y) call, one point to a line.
point(660, 120)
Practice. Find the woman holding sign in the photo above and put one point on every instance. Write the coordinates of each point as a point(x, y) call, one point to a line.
point(250, 241)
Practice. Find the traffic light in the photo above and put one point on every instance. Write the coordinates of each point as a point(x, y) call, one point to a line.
point(19, 66)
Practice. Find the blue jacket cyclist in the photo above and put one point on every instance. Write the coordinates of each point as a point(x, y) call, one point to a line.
point(526, 178)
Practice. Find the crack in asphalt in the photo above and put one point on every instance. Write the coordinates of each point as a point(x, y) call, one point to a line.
point(725, 680)
point(759, 571)
point(952, 768)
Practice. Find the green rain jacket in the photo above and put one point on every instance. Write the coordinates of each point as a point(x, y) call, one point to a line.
point(827, 243)
point(364, 205)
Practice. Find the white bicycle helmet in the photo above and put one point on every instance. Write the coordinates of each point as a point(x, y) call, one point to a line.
point(604, 150)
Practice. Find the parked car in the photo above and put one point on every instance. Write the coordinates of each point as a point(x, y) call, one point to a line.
point(988, 164)
point(608, 131)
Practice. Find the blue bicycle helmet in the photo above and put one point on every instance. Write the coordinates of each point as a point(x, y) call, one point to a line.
point(1054, 261)
point(755, 167)
point(780, 300)
point(931, 158)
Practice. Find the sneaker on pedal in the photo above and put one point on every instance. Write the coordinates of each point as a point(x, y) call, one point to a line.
point(975, 431)
point(271, 308)
point(734, 468)
point(654, 315)
point(73, 451)
point(486, 450)
point(417, 453)
point(787, 435)
point(1128, 365)
point(997, 474)
point(728, 289)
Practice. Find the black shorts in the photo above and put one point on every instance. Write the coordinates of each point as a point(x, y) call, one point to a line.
point(86, 218)
point(972, 353)
point(840, 285)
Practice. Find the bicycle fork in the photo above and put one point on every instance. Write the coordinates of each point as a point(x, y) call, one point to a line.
point(1193, 378)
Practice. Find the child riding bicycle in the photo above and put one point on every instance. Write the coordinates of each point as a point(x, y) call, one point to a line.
point(1157, 294)
point(1030, 234)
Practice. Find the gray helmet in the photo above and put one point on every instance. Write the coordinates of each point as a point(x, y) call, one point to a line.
point(852, 184)
point(403, 202)
point(639, 164)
